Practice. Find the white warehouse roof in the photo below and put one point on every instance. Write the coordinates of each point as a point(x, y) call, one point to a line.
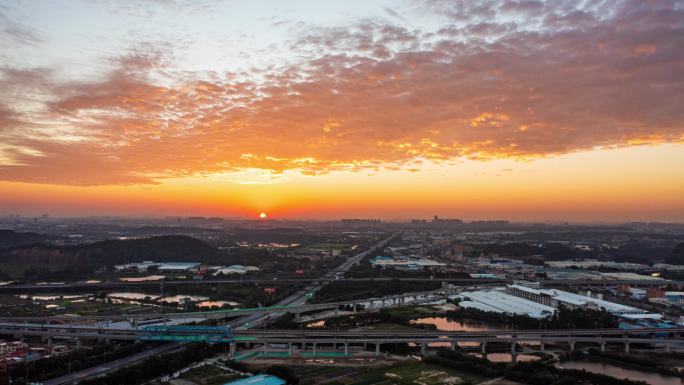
point(500, 302)
point(580, 300)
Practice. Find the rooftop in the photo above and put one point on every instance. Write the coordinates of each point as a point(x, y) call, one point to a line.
point(260, 379)
point(500, 302)
point(579, 300)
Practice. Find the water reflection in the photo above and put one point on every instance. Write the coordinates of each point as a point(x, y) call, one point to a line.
point(445, 324)
point(201, 301)
point(143, 279)
point(184, 298)
point(616, 371)
point(132, 296)
point(54, 297)
point(210, 304)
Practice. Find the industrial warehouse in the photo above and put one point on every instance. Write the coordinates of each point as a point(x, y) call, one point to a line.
point(542, 303)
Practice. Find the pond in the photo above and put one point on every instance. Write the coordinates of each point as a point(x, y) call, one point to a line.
point(210, 304)
point(54, 297)
point(445, 324)
point(616, 371)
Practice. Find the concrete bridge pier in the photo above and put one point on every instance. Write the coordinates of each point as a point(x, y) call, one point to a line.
point(626, 346)
point(314, 348)
point(542, 345)
point(377, 349)
point(667, 348)
point(603, 347)
point(572, 346)
point(514, 354)
point(298, 317)
point(232, 349)
point(483, 349)
point(47, 339)
point(453, 345)
point(289, 349)
point(346, 348)
point(423, 349)
point(78, 343)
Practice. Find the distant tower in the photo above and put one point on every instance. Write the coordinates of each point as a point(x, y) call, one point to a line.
point(424, 247)
point(458, 252)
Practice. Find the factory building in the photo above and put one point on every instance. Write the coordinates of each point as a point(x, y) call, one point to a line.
point(259, 379)
point(556, 298)
point(541, 303)
point(499, 301)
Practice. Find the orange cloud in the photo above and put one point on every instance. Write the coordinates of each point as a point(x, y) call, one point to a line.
point(368, 96)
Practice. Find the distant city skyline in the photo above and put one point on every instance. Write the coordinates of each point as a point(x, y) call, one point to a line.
point(500, 109)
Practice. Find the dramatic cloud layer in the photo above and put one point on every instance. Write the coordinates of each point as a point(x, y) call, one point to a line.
point(496, 79)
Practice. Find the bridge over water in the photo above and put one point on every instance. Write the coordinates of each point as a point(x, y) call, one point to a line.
point(663, 337)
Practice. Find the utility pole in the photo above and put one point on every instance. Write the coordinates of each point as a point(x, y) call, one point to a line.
point(161, 296)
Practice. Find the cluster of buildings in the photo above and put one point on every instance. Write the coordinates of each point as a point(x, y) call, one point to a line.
point(498, 267)
point(595, 264)
point(530, 300)
point(169, 267)
point(411, 263)
point(235, 269)
point(13, 352)
point(185, 267)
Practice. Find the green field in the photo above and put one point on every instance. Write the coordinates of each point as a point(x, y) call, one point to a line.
point(406, 373)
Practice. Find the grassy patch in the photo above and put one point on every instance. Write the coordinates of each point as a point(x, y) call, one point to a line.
point(208, 375)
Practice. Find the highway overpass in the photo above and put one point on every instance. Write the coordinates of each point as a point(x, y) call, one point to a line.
point(21, 288)
point(666, 337)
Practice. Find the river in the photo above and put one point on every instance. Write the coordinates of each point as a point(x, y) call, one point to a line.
point(616, 371)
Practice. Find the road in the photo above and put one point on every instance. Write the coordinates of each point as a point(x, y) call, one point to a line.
point(299, 298)
point(327, 277)
point(256, 336)
point(246, 322)
point(112, 365)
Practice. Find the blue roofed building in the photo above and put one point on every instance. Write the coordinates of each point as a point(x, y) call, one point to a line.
point(260, 379)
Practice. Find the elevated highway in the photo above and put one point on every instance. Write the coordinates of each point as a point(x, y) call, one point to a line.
point(323, 279)
point(667, 337)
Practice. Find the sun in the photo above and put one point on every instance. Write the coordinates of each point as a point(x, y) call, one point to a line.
point(263, 215)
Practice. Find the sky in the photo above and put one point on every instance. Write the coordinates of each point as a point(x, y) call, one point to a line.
point(523, 110)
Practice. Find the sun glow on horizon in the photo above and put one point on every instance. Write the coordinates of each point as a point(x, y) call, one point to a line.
point(343, 109)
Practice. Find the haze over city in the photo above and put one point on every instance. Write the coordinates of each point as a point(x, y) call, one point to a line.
point(523, 110)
